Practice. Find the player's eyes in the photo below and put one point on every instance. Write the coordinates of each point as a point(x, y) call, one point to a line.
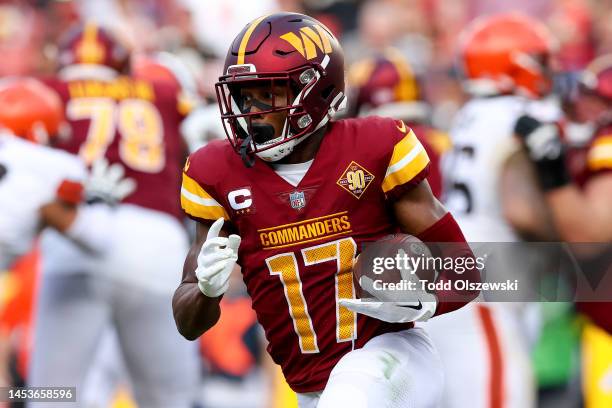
point(246, 101)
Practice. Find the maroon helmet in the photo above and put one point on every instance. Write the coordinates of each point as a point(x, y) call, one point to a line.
point(385, 85)
point(286, 49)
point(90, 44)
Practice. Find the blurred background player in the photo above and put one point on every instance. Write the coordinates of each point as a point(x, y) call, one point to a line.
point(135, 123)
point(505, 59)
point(580, 200)
point(40, 187)
point(385, 85)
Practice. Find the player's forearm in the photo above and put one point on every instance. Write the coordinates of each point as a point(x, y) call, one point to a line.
point(58, 215)
point(87, 226)
point(576, 217)
point(447, 241)
point(523, 204)
point(194, 313)
point(419, 213)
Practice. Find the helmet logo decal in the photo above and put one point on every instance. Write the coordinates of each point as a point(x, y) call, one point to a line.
point(309, 40)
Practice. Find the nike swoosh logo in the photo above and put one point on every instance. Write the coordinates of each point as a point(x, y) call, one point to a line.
point(401, 128)
point(418, 307)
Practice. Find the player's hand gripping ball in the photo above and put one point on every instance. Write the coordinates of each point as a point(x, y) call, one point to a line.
point(391, 277)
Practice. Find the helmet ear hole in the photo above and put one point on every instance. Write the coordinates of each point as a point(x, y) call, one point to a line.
point(327, 91)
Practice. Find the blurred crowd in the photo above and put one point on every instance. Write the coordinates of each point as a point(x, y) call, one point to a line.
point(190, 39)
point(425, 31)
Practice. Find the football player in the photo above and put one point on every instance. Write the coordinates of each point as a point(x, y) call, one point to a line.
point(41, 186)
point(291, 198)
point(385, 85)
point(505, 59)
point(571, 195)
point(134, 123)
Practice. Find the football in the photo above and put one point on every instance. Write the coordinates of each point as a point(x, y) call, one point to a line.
point(385, 268)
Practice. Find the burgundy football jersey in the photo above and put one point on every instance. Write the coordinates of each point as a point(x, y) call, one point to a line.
point(598, 161)
point(131, 122)
point(298, 243)
point(598, 157)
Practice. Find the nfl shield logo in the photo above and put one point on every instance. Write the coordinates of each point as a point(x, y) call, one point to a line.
point(297, 200)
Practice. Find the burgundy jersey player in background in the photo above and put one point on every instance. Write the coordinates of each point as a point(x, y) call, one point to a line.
point(581, 206)
point(386, 85)
point(133, 123)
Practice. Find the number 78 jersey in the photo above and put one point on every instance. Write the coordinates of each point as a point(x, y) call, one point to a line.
point(299, 242)
point(131, 122)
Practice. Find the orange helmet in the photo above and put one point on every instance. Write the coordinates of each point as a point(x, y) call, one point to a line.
point(384, 85)
point(30, 109)
point(91, 44)
point(507, 53)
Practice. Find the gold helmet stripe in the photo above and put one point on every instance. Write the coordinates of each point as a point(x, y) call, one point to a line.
point(89, 50)
point(246, 37)
point(406, 90)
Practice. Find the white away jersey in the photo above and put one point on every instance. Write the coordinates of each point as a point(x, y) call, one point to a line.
point(30, 175)
point(482, 135)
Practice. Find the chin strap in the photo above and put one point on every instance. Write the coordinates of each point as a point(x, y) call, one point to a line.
point(246, 159)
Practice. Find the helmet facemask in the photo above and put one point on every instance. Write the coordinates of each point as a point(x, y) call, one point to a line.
point(244, 129)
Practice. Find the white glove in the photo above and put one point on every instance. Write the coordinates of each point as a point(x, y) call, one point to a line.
point(216, 261)
point(415, 305)
point(544, 143)
point(107, 183)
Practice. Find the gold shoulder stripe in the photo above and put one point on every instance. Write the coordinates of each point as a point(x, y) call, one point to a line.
point(403, 147)
point(600, 157)
point(603, 140)
point(600, 154)
point(409, 159)
point(198, 203)
point(204, 212)
point(194, 187)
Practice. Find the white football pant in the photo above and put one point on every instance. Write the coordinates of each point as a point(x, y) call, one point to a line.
point(131, 289)
point(392, 370)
